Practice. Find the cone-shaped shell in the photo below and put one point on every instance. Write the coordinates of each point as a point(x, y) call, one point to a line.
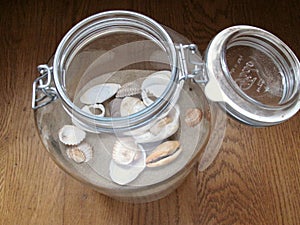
point(164, 154)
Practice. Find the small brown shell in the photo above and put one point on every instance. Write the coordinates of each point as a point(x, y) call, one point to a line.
point(81, 153)
point(193, 117)
point(164, 154)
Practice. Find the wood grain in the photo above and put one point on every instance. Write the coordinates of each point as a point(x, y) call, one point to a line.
point(254, 180)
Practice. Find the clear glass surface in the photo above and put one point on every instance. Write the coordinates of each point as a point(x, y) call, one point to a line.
point(255, 74)
point(120, 51)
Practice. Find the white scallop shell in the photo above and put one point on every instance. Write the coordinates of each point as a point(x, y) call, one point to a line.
point(80, 153)
point(99, 93)
point(124, 174)
point(131, 105)
point(165, 131)
point(124, 151)
point(154, 85)
point(71, 135)
point(95, 109)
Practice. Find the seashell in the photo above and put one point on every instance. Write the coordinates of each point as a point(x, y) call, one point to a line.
point(114, 107)
point(193, 117)
point(124, 174)
point(145, 128)
point(96, 109)
point(164, 154)
point(130, 88)
point(131, 105)
point(154, 85)
point(158, 126)
point(124, 152)
point(99, 93)
point(71, 135)
point(80, 153)
point(148, 97)
point(161, 130)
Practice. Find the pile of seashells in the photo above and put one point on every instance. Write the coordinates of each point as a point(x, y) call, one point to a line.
point(128, 156)
point(77, 149)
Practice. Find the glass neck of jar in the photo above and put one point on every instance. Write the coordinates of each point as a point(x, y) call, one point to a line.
point(92, 28)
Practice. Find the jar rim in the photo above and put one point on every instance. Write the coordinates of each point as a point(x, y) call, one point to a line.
point(238, 103)
point(106, 124)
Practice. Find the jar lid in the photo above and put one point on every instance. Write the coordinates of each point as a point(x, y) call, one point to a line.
point(255, 74)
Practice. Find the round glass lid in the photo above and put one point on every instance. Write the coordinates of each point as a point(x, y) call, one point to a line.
point(255, 74)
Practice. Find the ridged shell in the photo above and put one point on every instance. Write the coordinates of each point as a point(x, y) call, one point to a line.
point(130, 88)
point(99, 93)
point(131, 105)
point(124, 152)
point(80, 153)
point(193, 117)
point(154, 85)
point(96, 109)
point(124, 174)
point(71, 135)
point(163, 154)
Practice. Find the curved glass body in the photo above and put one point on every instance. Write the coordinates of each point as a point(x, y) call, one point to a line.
point(120, 48)
point(131, 118)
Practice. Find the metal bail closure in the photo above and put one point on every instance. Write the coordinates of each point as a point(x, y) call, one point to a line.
point(43, 93)
point(191, 63)
point(255, 74)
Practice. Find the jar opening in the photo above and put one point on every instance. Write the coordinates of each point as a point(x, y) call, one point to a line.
point(261, 68)
point(100, 49)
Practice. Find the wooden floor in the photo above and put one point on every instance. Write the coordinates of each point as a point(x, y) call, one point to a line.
point(254, 180)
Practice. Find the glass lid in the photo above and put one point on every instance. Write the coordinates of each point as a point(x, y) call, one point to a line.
point(255, 74)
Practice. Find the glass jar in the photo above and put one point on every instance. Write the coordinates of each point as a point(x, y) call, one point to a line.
point(128, 106)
